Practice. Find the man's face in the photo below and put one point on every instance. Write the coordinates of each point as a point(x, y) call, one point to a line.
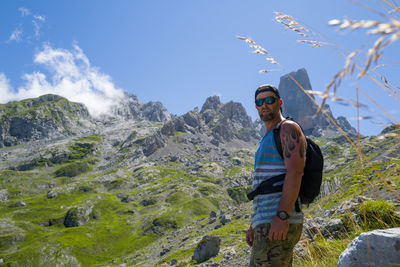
point(268, 112)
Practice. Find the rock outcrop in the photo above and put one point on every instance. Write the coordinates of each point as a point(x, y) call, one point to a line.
point(130, 109)
point(76, 217)
point(49, 116)
point(227, 121)
point(216, 123)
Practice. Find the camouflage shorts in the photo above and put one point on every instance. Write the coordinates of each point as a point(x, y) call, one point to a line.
point(265, 252)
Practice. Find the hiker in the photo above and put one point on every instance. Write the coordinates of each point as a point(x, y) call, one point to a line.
point(277, 220)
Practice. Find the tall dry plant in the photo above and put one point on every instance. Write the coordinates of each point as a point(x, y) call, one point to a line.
point(387, 32)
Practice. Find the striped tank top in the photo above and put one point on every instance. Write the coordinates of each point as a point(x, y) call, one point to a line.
point(268, 163)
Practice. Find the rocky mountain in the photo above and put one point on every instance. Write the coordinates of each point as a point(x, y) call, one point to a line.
point(52, 116)
point(141, 187)
point(48, 116)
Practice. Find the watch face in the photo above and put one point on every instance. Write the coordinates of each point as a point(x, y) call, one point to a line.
point(283, 215)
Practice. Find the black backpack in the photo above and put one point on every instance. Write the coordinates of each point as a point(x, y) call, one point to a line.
point(311, 180)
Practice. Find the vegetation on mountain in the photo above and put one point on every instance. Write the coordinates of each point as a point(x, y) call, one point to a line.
point(76, 210)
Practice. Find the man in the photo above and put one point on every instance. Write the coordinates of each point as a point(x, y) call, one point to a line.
point(276, 224)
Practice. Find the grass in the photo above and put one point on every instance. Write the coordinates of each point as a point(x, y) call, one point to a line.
point(98, 241)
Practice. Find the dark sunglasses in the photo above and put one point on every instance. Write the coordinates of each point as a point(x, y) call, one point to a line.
point(268, 100)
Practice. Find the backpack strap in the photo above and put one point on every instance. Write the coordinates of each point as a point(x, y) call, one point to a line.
point(277, 138)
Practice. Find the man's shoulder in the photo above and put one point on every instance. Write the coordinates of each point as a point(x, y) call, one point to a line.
point(288, 126)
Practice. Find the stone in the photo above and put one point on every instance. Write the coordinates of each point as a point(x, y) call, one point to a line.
point(17, 204)
point(207, 248)
point(213, 214)
point(152, 143)
point(378, 248)
point(164, 251)
point(3, 195)
point(53, 194)
point(225, 219)
point(77, 216)
point(192, 119)
point(320, 226)
point(334, 228)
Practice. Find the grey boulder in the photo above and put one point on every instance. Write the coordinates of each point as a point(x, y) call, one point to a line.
point(207, 248)
point(378, 248)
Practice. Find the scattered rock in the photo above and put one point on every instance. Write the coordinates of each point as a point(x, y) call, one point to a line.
point(320, 226)
point(225, 219)
point(213, 214)
point(164, 251)
point(148, 202)
point(207, 248)
point(52, 194)
point(17, 204)
point(51, 222)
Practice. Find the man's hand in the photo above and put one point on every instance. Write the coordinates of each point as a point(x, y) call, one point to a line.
point(279, 229)
point(250, 236)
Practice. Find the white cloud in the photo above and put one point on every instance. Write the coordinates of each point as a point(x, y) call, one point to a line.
point(36, 28)
point(16, 35)
point(71, 76)
point(5, 89)
point(40, 18)
point(37, 22)
point(24, 11)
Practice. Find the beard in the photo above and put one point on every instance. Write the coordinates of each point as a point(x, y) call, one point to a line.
point(269, 116)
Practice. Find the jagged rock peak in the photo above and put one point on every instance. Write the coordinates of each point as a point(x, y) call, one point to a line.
point(155, 111)
point(302, 109)
point(235, 112)
point(212, 102)
point(130, 109)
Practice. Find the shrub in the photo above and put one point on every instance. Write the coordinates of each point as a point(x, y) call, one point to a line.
point(73, 169)
point(238, 193)
point(378, 214)
point(80, 150)
point(177, 197)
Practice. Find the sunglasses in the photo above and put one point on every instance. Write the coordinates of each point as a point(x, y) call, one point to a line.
point(268, 100)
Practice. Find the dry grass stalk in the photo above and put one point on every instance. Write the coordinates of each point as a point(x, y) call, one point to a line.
point(293, 25)
point(310, 42)
point(257, 49)
point(390, 33)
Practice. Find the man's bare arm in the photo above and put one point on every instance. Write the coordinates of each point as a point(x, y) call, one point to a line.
point(293, 146)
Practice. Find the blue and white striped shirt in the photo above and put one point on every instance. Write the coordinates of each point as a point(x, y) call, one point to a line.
point(268, 163)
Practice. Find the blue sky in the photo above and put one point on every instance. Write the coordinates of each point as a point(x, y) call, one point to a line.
point(181, 52)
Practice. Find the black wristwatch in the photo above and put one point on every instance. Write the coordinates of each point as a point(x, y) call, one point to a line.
point(283, 215)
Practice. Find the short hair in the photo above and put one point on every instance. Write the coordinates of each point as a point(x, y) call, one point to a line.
point(267, 88)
